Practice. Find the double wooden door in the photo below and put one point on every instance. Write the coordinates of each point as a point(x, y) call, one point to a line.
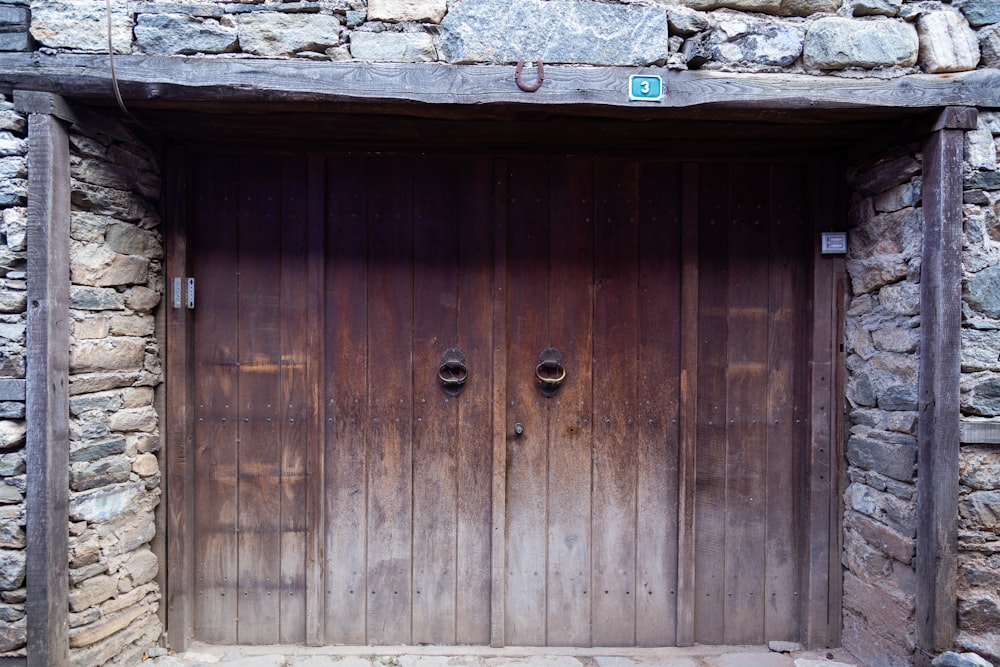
point(671, 488)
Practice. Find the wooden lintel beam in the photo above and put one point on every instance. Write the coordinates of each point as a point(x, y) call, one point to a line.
point(161, 81)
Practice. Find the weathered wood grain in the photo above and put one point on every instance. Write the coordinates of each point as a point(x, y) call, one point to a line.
point(47, 384)
point(940, 369)
point(165, 81)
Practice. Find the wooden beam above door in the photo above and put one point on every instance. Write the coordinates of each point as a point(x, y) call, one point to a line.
point(178, 82)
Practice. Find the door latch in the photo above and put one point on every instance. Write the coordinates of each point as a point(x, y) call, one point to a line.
point(183, 292)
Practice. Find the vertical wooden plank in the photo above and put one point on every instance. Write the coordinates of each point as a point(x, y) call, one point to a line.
point(790, 250)
point(346, 386)
point(659, 331)
point(615, 369)
point(46, 389)
point(500, 423)
point(746, 427)
point(475, 427)
point(390, 483)
point(435, 427)
point(527, 476)
point(315, 442)
point(687, 466)
point(713, 335)
point(215, 363)
point(258, 396)
point(179, 485)
point(940, 371)
point(571, 248)
point(297, 399)
point(819, 567)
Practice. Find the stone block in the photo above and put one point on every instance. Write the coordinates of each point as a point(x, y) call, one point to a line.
point(980, 349)
point(981, 12)
point(979, 615)
point(102, 504)
point(96, 449)
point(12, 568)
point(106, 626)
point(134, 419)
point(876, 7)
point(884, 175)
point(902, 196)
point(142, 299)
point(132, 240)
point(184, 34)
point(983, 292)
point(81, 25)
point(560, 31)
point(83, 383)
point(84, 553)
point(14, 18)
point(748, 41)
point(110, 202)
point(109, 354)
point(407, 47)
point(11, 534)
point(900, 515)
point(981, 509)
point(979, 468)
point(834, 43)
point(13, 635)
point(12, 464)
point(91, 592)
point(141, 567)
point(896, 339)
point(989, 48)
point(279, 34)
point(145, 465)
point(984, 180)
point(103, 472)
point(98, 266)
point(980, 149)
point(947, 43)
point(94, 298)
point(685, 21)
point(898, 397)
point(9, 494)
point(881, 537)
point(897, 460)
point(429, 11)
point(139, 633)
point(887, 613)
point(12, 433)
point(870, 274)
point(952, 659)
point(902, 298)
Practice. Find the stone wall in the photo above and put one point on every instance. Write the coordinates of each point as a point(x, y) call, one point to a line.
point(116, 255)
point(13, 261)
point(979, 508)
point(847, 37)
point(882, 335)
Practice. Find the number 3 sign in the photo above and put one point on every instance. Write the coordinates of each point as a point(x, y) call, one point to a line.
point(645, 88)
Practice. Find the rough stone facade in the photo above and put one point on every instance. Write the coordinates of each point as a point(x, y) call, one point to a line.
point(13, 260)
point(117, 254)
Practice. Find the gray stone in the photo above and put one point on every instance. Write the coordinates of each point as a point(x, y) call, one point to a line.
point(876, 7)
point(94, 298)
point(13, 635)
point(983, 292)
point(685, 21)
point(172, 34)
point(504, 31)
point(96, 449)
point(898, 397)
point(860, 390)
point(979, 468)
point(749, 41)
point(142, 299)
point(989, 47)
point(12, 145)
point(12, 464)
point(106, 402)
point(784, 647)
point(884, 175)
point(980, 349)
point(408, 47)
point(980, 149)
point(902, 196)
point(108, 354)
point(11, 534)
point(9, 495)
point(871, 274)
point(981, 12)
point(902, 298)
point(952, 659)
point(762, 6)
point(834, 43)
point(12, 433)
point(94, 474)
point(985, 180)
point(895, 460)
point(898, 514)
point(982, 509)
point(12, 568)
point(896, 339)
point(947, 43)
point(102, 504)
point(279, 34)
point(81, 25)
point(132, 240)
point(142, 567)
point(431, 11)
point(981, 395)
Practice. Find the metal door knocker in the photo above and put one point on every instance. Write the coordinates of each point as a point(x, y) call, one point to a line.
point(534, 86)
point(453, 372)
point(550, 371)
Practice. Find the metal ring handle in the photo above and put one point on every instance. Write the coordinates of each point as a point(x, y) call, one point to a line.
point(550, 380)
point(458, 373)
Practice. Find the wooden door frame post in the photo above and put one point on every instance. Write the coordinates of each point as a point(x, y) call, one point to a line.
point(47, 378)
point(940, 372)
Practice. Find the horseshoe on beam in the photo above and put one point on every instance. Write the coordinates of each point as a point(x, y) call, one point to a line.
point(534, 86)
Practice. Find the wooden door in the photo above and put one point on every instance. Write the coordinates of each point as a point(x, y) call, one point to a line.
point(672, 489)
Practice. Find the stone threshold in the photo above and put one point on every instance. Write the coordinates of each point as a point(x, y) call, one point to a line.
point(484, 656)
